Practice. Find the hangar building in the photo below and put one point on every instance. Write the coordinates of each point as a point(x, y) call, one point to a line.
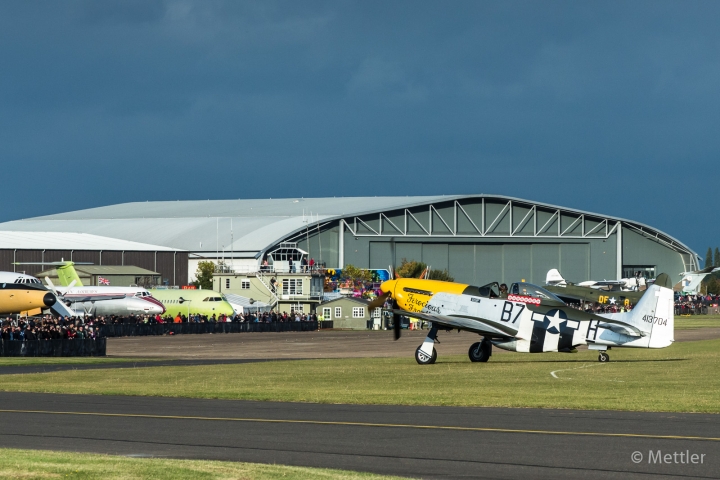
point(477, 238)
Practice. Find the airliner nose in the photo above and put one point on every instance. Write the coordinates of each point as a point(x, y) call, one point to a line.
point(158, 305)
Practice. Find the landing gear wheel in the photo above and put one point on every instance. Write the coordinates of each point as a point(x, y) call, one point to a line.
point(480, 351)
point(603, 357)
point(422, 358)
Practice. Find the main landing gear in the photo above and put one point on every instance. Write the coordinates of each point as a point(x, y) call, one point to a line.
point(480, 351)
point(603, 357)
point(426, 353)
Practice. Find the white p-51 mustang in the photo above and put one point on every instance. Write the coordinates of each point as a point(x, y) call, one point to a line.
point(529, 319)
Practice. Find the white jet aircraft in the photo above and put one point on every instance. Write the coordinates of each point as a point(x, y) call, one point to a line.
point(101, 300)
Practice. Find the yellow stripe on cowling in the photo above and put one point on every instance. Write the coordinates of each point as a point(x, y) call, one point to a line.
point(409, 292)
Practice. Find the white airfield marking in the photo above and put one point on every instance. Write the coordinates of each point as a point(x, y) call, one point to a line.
point(576, 368)
point(584, 366)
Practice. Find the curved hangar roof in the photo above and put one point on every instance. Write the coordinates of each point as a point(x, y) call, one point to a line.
point(252, 226)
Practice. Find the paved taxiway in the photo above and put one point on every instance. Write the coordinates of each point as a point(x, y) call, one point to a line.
point(429, 442)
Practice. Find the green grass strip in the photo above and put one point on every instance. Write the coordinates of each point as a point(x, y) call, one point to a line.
point(692, 322)
point(681, 378)
point(40, 464)
point(20, 361)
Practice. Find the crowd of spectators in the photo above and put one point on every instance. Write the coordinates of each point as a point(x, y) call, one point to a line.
point(696, 304)
point(269, 317)
point(49, 328)
point(684, 305)
point(250, 317)
point(597, 308)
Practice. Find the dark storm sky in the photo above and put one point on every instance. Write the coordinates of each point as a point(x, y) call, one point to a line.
point(611, 107)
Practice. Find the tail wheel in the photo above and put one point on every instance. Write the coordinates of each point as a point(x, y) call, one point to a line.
point(480, 352)
point(603, 357)
point(423, 359)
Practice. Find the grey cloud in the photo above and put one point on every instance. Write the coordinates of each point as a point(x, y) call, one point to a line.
point(125, 12)
point(596, 105)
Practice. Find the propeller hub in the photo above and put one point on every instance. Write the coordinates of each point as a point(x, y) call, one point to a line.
point(49, 299)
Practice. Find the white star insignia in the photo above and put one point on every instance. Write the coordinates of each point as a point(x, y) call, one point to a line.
point(555, 320)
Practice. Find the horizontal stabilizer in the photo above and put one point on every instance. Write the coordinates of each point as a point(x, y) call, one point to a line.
point(709, 269)
point(623, 328)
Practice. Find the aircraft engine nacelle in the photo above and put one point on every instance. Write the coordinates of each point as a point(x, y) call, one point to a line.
point(509, 345)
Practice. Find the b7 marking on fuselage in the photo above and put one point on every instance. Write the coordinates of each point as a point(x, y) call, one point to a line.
point(507, 311)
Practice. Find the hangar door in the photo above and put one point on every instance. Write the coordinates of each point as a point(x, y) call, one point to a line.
point(482, 263)
point(381, 254)
point(575, 261)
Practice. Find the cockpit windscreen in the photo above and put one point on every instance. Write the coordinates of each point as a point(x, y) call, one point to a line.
point(530, 290)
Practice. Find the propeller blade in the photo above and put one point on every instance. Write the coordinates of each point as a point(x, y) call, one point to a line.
point(396, 326)
point(72, 284)
point(424, 274)
point(50, 284)
point(378, 302)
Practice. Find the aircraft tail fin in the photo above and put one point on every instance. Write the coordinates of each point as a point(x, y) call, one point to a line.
point(553, 277)
point(654, 314)
point(691, 281)
point(67, 274)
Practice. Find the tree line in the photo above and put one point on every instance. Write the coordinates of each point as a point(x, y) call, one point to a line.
point(712, 281)
point(712, 260)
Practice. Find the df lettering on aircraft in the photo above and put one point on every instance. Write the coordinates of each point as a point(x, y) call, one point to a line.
point(606, 299)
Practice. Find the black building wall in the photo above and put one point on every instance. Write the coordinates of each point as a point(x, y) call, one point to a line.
point(172, 266)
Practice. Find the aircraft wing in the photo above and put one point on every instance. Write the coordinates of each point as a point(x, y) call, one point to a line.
point(92, 298)
point(472, 324)
point(608, 283)
point(59, 308)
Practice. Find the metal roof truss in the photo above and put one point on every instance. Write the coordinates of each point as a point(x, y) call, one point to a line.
point(510, 219)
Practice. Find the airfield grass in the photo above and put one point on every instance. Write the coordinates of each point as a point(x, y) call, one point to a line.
point(19, 361)
point(690, 322)
point(39, 464)
point(681, 378)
